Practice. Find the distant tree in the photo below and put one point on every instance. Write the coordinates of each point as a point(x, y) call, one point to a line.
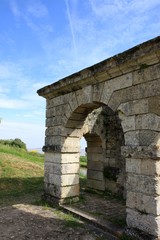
point(14, 143)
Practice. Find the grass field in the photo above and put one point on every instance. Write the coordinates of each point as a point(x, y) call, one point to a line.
point(21, 174)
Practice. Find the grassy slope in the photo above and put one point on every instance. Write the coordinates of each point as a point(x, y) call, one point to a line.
point(21, 174)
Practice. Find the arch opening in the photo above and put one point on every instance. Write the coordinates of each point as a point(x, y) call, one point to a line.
point(101, 128)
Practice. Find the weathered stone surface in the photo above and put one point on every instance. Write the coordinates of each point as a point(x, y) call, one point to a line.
point(134, 107)
point(143, 184)
point(64, 180)
point(147, 167)
point(144, 222)
point(143, 203)
point(154, 105)
point(141, 138)
point(97, 91)
point(97, 175)
point(140, 91)
point(63, 191)
point(115, 84)
point(95, 165)
point(61, 158)
point(128, 123)
point(66, 168)
point(146, 73)
point(95, 184)
point(141, 152)
point(84, 95)
point(73, 102)
point(114, 103)
point(148, 121)
point(111, 186)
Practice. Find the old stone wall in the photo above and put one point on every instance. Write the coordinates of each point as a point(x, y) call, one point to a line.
point(124, 152)
point(103, 129)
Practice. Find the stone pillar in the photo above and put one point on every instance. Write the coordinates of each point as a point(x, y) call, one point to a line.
point(95, 177)
point(61, 177)
point(143, 186)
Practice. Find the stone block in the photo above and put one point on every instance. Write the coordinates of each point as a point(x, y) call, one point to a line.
point(97, 175)
point(150, 167)
point(84, 95)
point(95, 184)
point(134, 107)
point(60, 192)
point(74, 132)
point(140, 91)
point(64, 180)
point(132, 138)
point(141, 137)
point(143, 184)
point(128, 123)
point(145, 222)
point(146, 74)
point(154, 105)
point(97, 91)
point(75, 124)
point(95, 165)
point(72, 141)
point(54, 140)
point(148, 137)
point(55, 102)
point(147, 167)
point(94, 157)
point(61, 158)
point(111, 186)
point(94, 150)
point(55, 168)
point(151, 152)
point(143, 203)
point(73, 101)
point(69, 191)
point(148, 121)
point(115, 84)
point(133, 165)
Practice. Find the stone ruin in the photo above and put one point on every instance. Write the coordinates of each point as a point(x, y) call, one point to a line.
point(115, 105)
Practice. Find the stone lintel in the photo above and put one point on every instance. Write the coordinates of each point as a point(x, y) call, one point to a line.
point(152, 152)
point(140, 56)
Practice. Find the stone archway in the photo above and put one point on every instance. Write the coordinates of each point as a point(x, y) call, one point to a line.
point(129, 85)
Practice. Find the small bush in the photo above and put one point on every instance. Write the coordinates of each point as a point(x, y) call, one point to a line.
point(14, 143)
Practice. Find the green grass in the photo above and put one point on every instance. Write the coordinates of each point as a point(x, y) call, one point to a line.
point(83, 161)
point(21, 174)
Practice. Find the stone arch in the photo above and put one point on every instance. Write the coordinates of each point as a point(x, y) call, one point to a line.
point(129, 84)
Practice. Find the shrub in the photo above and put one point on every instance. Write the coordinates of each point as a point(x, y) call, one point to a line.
point(14, 143)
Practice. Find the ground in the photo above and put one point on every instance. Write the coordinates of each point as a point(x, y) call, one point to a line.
point(26, 221)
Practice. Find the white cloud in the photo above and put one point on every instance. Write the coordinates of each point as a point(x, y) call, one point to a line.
point(13, 103)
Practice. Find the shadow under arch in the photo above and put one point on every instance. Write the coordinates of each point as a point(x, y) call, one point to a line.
point(101, 128)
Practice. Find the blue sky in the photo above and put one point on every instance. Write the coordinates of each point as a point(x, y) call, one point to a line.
point(42, 41)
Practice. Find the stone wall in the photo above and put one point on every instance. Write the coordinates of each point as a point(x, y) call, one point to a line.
point(102, 129)
point(128, 86)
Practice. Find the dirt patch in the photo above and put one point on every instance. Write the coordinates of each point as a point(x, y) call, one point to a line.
point(24, 221)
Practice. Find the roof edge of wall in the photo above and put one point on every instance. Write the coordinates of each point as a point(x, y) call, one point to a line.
point(140, 56)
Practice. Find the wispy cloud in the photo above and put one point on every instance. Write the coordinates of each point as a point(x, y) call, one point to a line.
point(71, 27)
point(37, 9)
point(13, 103)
